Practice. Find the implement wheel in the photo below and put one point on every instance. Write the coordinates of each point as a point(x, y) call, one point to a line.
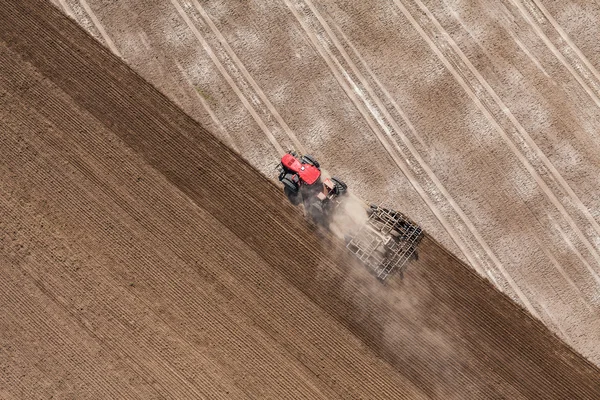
point(340, 186)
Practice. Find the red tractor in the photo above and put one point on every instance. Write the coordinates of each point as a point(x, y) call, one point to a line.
point(303, 183)
point(385, 242)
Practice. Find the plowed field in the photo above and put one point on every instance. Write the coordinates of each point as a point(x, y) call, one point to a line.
point(142, 258)
point(478, 118)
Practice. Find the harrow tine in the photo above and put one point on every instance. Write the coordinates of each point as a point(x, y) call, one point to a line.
point(381, 251)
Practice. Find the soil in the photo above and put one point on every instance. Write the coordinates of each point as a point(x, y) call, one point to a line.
point(478, 119)
point(142, 258)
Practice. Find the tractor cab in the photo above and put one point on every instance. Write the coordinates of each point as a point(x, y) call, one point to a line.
point(303, 183)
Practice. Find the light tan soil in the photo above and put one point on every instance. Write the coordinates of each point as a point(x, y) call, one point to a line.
point(143, 259)
point(479, 119)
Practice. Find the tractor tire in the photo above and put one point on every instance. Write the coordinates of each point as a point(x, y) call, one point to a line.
point(289, 185)
point(294, 197)
point(308, 159)
point(340, 186)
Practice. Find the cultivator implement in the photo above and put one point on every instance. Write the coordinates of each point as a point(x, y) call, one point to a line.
point(386, 242)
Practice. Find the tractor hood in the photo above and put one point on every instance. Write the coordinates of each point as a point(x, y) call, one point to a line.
point(309, 174)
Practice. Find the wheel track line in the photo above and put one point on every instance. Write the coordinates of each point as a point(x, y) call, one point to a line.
point(541, 183)
point(227, 77)
point(246, 74)
point(536, 27)
point(528, 53)
point(475, 72)
point(401, 164)
point(381, 87)
point(587, 265)
point(100, 28)
point(512, 34)
point(65, 8)
point(567, 39)
point(525, 135)
point(565, 275)
point(555, 322)
point(525, 301)
point(208, 109)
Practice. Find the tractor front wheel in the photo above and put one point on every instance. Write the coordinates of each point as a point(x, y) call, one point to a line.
point(308, 159)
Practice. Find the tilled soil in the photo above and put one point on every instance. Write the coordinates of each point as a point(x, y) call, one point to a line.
point(142, 258)
point(479, 119)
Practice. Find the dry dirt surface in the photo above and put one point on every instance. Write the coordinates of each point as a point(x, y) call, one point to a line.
point(142, 258)
point(480, 119)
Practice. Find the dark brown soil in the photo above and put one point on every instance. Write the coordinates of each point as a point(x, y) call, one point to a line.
point(141, 258)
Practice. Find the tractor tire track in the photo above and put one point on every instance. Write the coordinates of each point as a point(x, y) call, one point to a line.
point(570, 43)
point(109, 42)
point(206, 106)
point(474, 93)
point(271, 109)
point(228, 77)
point(576, 63)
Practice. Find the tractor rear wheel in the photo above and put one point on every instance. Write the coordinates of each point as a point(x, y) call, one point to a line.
point(289, 185)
